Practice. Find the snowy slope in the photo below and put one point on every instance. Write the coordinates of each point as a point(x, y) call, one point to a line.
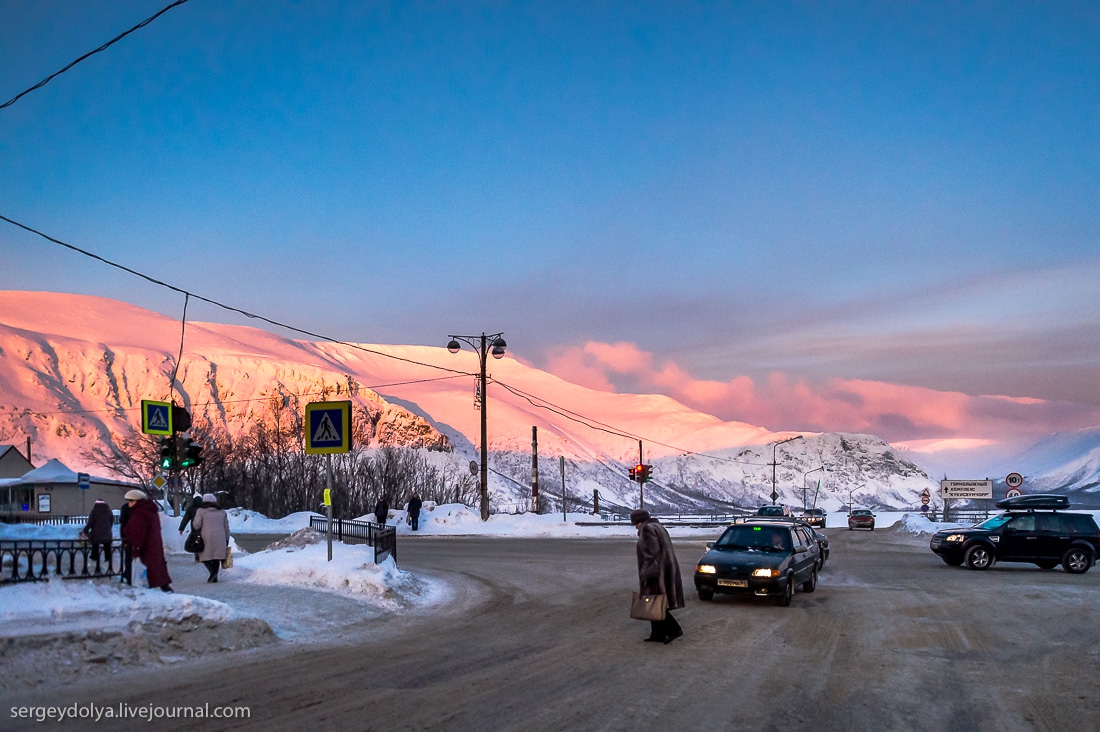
point(73, 370)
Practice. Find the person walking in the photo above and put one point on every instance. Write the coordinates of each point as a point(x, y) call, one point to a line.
point(381, 510)
point(189, 516)
point(213, 524)
point(414, 510)
point(98, 530)
point(143, 531)
point(127, 550)
point(658, 573)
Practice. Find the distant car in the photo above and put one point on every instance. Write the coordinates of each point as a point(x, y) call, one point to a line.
point(774, 511)
point(815, 517)
point(762, 558)
point(861, 518)
point(1034, 530)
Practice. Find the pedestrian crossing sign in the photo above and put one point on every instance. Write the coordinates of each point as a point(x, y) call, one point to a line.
point(156, 417)
point(328, 427)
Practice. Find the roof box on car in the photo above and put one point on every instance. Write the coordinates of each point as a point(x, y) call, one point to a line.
point(1036, 500)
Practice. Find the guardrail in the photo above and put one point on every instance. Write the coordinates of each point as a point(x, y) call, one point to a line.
point(37, 560)
point(47, 520)
point(382, 538)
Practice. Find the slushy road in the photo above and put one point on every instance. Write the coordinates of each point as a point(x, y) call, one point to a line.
point(538, 637)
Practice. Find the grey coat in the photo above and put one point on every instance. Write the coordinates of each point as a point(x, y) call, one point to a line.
point(657, 566)
point(213, 524)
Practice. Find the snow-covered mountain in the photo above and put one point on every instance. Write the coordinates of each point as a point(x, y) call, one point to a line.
point(74, 369)
point(1067, 463)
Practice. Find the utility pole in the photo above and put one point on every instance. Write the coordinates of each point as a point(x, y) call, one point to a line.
point(484, 345)
point(641, 483)
point(774, 462)
point(561, 467)
point(535, 469)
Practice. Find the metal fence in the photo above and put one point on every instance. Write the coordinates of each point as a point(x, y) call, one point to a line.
point(37, 560)
point(47, 520)
point(382, 538)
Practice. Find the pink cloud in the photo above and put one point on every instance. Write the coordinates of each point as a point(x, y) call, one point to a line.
point(781, 401)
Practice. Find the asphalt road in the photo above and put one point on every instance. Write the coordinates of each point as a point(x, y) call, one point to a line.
point(539, 638)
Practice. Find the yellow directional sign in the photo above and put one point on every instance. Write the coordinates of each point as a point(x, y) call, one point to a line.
point(156, 417)
point(328, 427)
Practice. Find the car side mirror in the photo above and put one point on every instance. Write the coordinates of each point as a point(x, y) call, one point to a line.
point(710, 545)
point(800, 550)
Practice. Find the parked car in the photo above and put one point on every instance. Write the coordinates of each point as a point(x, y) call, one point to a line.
point(762, 558)
point(1034, 530)
point(861, 518)
point(774, 511)
point(815, 517)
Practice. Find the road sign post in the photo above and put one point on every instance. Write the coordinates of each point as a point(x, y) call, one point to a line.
point(328, 432)
point(966, 489)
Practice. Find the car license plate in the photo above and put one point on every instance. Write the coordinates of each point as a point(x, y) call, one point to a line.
point(733, 583)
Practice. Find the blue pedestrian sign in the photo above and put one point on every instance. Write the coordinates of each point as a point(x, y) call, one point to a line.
point(328, 427)
point(83, 481)
point(156, 417)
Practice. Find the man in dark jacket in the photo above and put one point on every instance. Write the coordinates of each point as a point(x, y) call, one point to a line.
point(414, 510)
point(143, 531)
point(381, 510)
point(98, 530)
point(658, 573)
point(127, 551)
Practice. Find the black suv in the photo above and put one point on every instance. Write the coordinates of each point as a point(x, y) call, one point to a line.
point(1033, 530)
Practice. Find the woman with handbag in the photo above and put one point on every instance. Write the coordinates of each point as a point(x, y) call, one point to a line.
point(212, 523)
point(658, 576)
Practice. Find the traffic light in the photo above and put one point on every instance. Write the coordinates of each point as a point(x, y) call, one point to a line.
point(167, 452)
point(191, 454)
point(634, 474)
point(644, 473)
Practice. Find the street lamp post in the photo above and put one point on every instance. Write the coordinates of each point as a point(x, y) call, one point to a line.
point(483, 345)
point(789, 439)
point(808, 472)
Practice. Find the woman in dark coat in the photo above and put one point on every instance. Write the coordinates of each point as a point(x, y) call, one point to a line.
point(658, 573)
point(143, 531)
point(98, 530)
point(381, 510)
point(189, 516)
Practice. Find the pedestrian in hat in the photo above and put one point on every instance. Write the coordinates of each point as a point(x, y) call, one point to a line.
point(143, 531)
point(213, 523)
point(99, 531)
point(658, 573)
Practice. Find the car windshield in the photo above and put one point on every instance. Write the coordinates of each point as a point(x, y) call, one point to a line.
point(994, 523)
point(756, 538)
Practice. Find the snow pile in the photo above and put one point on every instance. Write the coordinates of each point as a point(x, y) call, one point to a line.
point(917, 524)
point(454, 519)
point(243, 521)
point(352, 573)
point(36, 532)
point(71, 605)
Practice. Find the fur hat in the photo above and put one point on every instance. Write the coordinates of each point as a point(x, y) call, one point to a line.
point(637, 517)
point(135, 495)
point(209, 498)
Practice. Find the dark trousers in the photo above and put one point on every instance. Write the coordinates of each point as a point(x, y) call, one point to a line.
point(212, 567)
point(127, 564)
point(415, 518)
point(97, 547)
point(662, 629)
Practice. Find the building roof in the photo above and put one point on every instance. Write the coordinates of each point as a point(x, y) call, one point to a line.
point(55, 471)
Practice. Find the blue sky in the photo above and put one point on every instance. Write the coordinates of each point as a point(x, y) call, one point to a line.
point(894, 192)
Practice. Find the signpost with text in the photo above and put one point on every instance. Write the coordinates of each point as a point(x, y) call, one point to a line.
point(966, 489)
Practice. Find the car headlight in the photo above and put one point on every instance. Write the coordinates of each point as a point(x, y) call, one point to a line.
point(706, 569)
point(765, 572)
point(954, 537)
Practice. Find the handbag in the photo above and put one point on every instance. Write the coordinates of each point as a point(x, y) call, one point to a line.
point(648, 607)
point(194, 543)
point(228, 561)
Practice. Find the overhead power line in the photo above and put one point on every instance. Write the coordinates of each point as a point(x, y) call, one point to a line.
point(230, 308)
point(104, 47)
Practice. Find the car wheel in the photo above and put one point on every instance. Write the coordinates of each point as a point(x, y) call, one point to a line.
point(979, 557)
point(706, 595)
point(1047, 564)
point(811, 584)
point(952, 562)
point(784, 600)
point(1077, 560)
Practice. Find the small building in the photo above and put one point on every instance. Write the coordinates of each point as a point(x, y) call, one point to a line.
point(54, 490)
point(13, 464)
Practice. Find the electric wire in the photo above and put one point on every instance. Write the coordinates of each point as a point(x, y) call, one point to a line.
point(230, 308)
point(179, 358)
point(104, 47)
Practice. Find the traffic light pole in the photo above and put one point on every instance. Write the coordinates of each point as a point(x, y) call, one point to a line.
point(641, 479)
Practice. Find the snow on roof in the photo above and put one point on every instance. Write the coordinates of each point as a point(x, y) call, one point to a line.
point(55, 471)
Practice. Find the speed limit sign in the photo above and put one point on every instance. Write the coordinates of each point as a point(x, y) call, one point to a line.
point(1014, 480)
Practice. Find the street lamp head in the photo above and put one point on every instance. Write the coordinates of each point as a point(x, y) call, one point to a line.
point(498, 348)
point(454, 346)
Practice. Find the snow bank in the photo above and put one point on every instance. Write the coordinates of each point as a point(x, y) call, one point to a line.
point(917, 524)
point(352, 573)
point(242, 521)
point(73, 605)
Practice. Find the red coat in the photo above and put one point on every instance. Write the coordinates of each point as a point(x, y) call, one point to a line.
point(143, 531)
